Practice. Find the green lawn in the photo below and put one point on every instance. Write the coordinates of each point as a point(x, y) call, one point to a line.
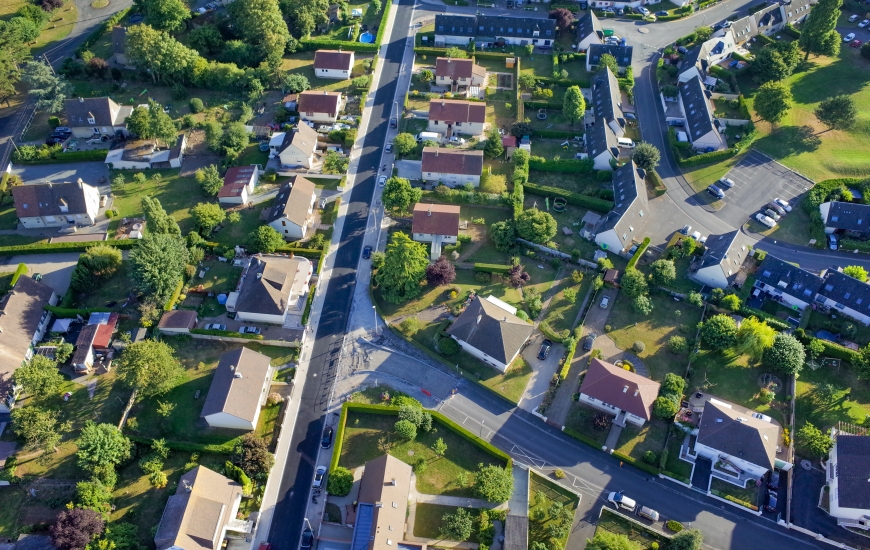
point(429, 518)
point(674, 466)
point(615, 523)
point(176, 194)
point(538, 65)
point(267, 423)
point(580, 419)
point(510, 384)
point(794, 227)
point(724, 489)
point(58, 27)
point(366, 435)
point(628, 327)
point(219, 276)
point(635, 442)
point(238, 233)
point(551, 493)
point(851, 402)
point(562, 313)
point(13, 500)
point(113, 289)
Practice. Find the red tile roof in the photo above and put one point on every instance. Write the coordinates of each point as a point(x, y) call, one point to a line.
point(436, 219)
point(319, 102)
point(333, 59)
point(509, 141)
point(454, 68)
point(452, 161)
point(623, 389)
point(453, 110)
point(104, 332)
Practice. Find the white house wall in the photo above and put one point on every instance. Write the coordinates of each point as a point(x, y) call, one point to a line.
point(712, 276)
point(602, 161)
point(288, 229)
point(501, 367)
point(584, 44)
point(225, 420)
point(609, 240)
point(710, 139)
point(332, 73)
point(320, 117)
point(452, 180)
point(291, 157)
point(429, 237)
point(465, 128)
point(787, 298)
point(857, 315)
point(752, 469)
point(241, 199)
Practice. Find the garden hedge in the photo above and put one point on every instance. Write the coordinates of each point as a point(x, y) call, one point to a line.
point(584, 201)
point(658, 184)
point(849, 244)
point(318, 44)
point(431, 50)
point(538, 104)
point(771, 320)
point(105, 27)
point(564, 82)
point(224, 449)
point(72, 313)
point(790, 30)
point(492, 268)
point(554, 134)
point(638, 253)
point(226, 333)
point(565, 166)
point(49, 248)
point(19, 271)
point(307, 312)
point(707, 158)
point(174, 298)
point(580, 437)
point(636, 463)
point(73, 156)
point(569, 356)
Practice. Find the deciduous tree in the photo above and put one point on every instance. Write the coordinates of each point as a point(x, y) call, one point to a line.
point(754, 337)
point(265, 239)
point(821, 21)
point(456, 53)
point(439, 447)
point(261, 24)
point(605, 540)
point(633, 282)
point(646, 156)
point(688, 539)
point(786, 355)
point(494, 483)
point(210, 180)
point(663, 272)
point(563, 16)
point(102, 446)
point(503, 235)
point(157, 263)
point(642, 304)
point(94, 495)
point(536, 226)
point(441, 273)
point(772, 101)
point(573, 105)
point(399, 195)
point(150, 367)
point(404, 143)
point(814, 441)
point(75, 529)
point(166, 15)
point(457, 526)
point(39, 377)
point(837, 113)
point(207, 216)
point(335, 163)
point(39, 428)
point(404, 269)
point(719, 332)
point(406, 429)
point(518, 277)
point(159, 53)
point(340, 482)
point(252, 455)
point(610, 62)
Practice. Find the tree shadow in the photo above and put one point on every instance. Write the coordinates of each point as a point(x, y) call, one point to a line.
point(791, 140)
point(841, 77)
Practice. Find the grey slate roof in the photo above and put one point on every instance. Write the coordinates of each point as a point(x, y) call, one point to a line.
point(692, 58)
point(769, 16)
point(491, 329)
point(103, 110)
point(621, 53)
point(727, 251)
point(699, 114)
point(237, 384)
point(629, 196)
point(606, 98)
point(494, 26)
point(853, 471)
point(738, 434)
point(790, 279)
point(599, 138)
point(48, 199)
point(844, 215)
point(846, 290)
point(268, 284)
point(589, 24)
point(293, 201)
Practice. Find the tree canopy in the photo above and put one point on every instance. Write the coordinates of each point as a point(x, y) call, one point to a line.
point(663, 272)
point(719, 332)
point(818, 28)
point(857, 272)
point(404, 269)
point(646, 156)
point(493, 147)
point(152, 123)
point(399, 195)
point(605, 540)
point(536, 226)
point(754, 336)
point(49, 88)
point(261, 25)
point(156, 218)
point(75, 529)
point(157, 263)
point(210, 180)
point(457, 526)
point(441, 273)
point(166, 15)
point(39, 377)
point(102, 446)
point(150, 367)
point(786, 355)
point(687, 539)
point(633, 282)
point(502, 235)
point(266, 239)
point(38, 427)
point(207, 216)
point(252, 455)
point(404, 143)
point(573, 105)
point(814, 441)
point(772, 101)
point(610, 62)
point(494, 483)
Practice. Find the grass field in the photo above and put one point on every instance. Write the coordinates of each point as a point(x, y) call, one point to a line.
point(176, 194)
point(367, 435)
point(635, 442)
point(851, 402)
point(429, 518)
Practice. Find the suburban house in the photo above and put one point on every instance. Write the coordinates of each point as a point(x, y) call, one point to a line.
point(452, 167)
point(56, 204)
point(456, 116)
point(437, 224)
point(23, 323)
point(238, 389)
point(701, 127)
point(601, 146)
point(94, 338)
point(697, 62)
point(614, 390)
point(459, 75)
point(490, 330)
point(239, 183)
point(143, 154)
point(333, 64)
point(849, 462)
point(293, 213)
point(588, 31)
point(296, 148)
point(787, 283)
point(843, 218)
point(720, 266)
point(383, 501)
point(272, 290)
point(607, 102)
point(491, 30)
point(621, 52)
point(177, 321)
point(770, 20)
point(796, 11)
point(199, 514)
point(845, 294)
point(624, 224)
point(741, 444)
point(96, 116)
point(319, 105)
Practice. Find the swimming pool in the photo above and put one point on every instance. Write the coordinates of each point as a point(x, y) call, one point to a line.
point(367, 38)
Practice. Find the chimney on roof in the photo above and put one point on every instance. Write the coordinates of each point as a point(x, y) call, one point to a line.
point(186, 484)
point(429, 212)
point(393, 482)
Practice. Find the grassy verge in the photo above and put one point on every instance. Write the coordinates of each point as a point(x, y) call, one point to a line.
point(636, 442)
point(429, 519)
point(615, 523)
point(747, 497)
point(674, 466)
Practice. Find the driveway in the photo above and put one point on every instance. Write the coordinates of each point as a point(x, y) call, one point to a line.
point(543, 372)
point(56, 269)
point(410, 169)
point(805, 510)
point(89, 172)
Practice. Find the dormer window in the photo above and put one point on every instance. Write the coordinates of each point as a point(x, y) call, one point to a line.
point(91, 119)
point(536, 33)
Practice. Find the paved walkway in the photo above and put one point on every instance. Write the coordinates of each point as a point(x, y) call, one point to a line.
point(613, 436)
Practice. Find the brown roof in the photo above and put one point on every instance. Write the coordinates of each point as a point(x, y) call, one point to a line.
point(509, 141)
point(454, 69)
point(452, 161)
point(178, 318)
point(386, 480)
point(319, 101)
point(195, 515)
point(454, 110)
point(616, 386)
point(236, 179)
point(84, 343)
point(738, 433)
point(303, 137)
point(436, 219)
point(103, 110)
point(238, 384)
point(105, 331)
point(269, 283)
point(21, 313)
point(333, 59)
point(47, 199)
point(293, 201)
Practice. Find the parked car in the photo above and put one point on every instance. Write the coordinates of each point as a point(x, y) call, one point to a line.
point(662, 13)
point(853, 18)
point(696, 235)
point(833, 244)
point(319, 474)
point(245, 329)
point(456, 139)
point(643, 10)
point(784, 204)
point(773, 215)
point(863, 23)
point(764, 220)
point(389, 148)
point(545, 349)
point(855, 43)
point(725, 182)
point(605, 301)
point(584, 5)
point(773, 205)
point(589, 341)
point(367, 252)
point(716, 192)
point(686, 230)
point(683, 50)
point(382, 181)
point(619, 11)
point(771, 502)
point(648, 513)
point(849, 37)
point(621, 501)
point(678, 123)
point(326, 442)
point(630, 116)
point(510, 5)
point(307, 538)
point(774, 480)
point(394, 122)
point(215, 326)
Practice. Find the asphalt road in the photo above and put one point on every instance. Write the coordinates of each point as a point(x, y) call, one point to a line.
point(315, 391)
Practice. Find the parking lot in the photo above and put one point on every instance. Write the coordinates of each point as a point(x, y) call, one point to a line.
point(758, 180)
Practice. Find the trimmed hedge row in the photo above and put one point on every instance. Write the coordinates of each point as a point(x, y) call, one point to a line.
point(431, 50)
point(465, 434)
point(850, 244)
point(554, 134)
point(564, 82)
point(316, 44)
point(48, 248)
point(492, 268)
point(174, 298)
point(580, 437)
point(537, 104)
point(339, 438)
point(658, 184)
point(226, 333)
point(707, 158)
point(19, 271)
point(223, 449)
point(72, 313)
point(564, 166)
point(569, 355)
point(73, 156)
point(636, 463)
point(790, 30)
point(638, 253)
point(771, 320)
point(583, 201)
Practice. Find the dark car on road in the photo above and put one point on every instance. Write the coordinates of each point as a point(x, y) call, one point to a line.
point(545, 349)
point(367, 252)
point(662, 13)
point(774, 481)
point(307, 538)
point(326, 442)
point(677, 122)
point(394, 122)
point(771, 502)
point(589, 342)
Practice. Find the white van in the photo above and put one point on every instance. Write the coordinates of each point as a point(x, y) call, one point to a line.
point(423, 136)
point(625, 143)
point(622, 501)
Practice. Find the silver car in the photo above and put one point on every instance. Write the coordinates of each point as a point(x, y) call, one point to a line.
point(215, 326)
point(244, 329)
point(604, 302)
point(318, 476)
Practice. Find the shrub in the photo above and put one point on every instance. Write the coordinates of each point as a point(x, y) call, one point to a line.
point(649, 457)
point(559, 473)
point(196, 105)
point(448, 346)
point(639, 346)
point(674, 525)
point(340, 482)
point(406, 429)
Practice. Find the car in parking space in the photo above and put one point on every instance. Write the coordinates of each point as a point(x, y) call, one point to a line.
point(677, 122)
point(643, 10)
point(382, 181)
point(545, 349)
point(619, 11)
point(771, 502)
point(394, 122)
point(245, 329)
point(696, 235)
point(849, 37)
point(716, 192)
point(784, 204)
point(683, 50)
point(367, 252)
point(319, 474)
point(662, 13)
point(855, 43)
point(863, 23)
point(589, 341)
point(773, 205)
point(648, 513)
point(853, 18)
point(326, 442)
point(764, 220)
point(389, 148)
point(307, 538)
point(773, 215)
point(215, 326)
point(584, 5)
point(833, 243)
point(686, 230)
point(774, 480)
point(621, 501)
point(605, 301)
point(510, 5)
point(725, 182)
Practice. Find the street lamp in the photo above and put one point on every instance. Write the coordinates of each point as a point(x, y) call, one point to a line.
point(482, 422)
point(375, 309)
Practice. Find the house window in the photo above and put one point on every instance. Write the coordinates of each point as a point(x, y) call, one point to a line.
point(283, 223)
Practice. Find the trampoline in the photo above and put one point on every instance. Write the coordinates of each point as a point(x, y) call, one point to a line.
point(559, 204)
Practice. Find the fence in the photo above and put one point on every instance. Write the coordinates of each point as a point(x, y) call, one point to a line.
point(279, 343)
